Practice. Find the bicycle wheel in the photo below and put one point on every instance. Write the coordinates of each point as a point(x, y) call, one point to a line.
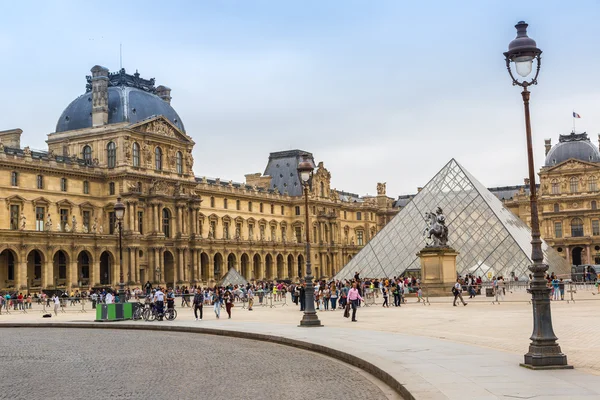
point(170, 314)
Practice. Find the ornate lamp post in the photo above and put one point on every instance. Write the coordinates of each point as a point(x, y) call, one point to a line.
point(544, 352)
point(119, 213)
point(305, 172)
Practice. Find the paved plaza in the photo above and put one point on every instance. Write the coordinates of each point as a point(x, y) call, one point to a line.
point(115, 364)
point(431, 350)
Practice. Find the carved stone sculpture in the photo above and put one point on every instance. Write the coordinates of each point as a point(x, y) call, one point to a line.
point(67, 227)
point(95, 225)
point(237, 233)
point(436, 229)
point(48, 223)
point(74, 224)
point(27, 151)
point(211, 231)
point(381, 188)
point(23, 222)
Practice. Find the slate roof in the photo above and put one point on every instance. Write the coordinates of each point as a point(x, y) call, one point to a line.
point(282, 168)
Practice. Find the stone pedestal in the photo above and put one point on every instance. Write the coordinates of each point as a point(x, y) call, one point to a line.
point(438, 270)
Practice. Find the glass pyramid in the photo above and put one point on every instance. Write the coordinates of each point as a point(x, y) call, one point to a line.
point(491, 240)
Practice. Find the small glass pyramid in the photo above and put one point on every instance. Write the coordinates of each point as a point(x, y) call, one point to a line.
point(491, 240)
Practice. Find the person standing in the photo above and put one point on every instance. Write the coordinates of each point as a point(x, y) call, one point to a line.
point(217, 302)
point(198, 301)
point(250, 298)
point(228, 302)
point(109, 298)
point(354, 298)
point(56, 301)
point(333, 296)
point(159, 301)
point(384, 291)
point(457, 290)
point(302, 295)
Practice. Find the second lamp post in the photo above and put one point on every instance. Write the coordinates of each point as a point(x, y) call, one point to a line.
point(119, 214)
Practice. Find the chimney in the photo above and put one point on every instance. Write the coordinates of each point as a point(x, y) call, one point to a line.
point(99, 96)
point(11, 138)
point(548, 144)
point(164, 93)
point(526, 181)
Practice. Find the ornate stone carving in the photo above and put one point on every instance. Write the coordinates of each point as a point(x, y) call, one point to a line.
point(159, 127)
point(147, 154)
point(237, 233)
point(189, 160)
point(48, 223)
point(171, 157)
point(157, 187)
point(74, 223)
point(211, 231)
point(23, 222)
point(436, 228)
point(381, 188)
point(27, 151)
point(94, 225)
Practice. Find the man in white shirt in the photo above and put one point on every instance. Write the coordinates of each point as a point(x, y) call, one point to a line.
point(159, 300)
point(458, 293)
point(56, 301)
point(109, 298)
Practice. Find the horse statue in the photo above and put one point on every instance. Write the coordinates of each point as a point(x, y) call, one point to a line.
point(436, 229)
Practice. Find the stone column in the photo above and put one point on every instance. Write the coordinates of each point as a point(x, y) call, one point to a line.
point(131, 262)
point(194, 221)
point(180, 265)
point(179, 225)
point(211, 267)
point(158, 265)
point(588, 254)
point(72, 276)
point(95, 271)
point(568, 254)
point(136, 264)
point(48, 275)
point(21, 271)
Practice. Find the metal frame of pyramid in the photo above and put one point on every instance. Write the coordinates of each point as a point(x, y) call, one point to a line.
point(232, 277)
point(491, 240)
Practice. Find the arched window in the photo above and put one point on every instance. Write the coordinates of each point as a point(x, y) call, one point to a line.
point(179, 162)
point(594, 205)
point(322, 189)
point(111, 154)
point(556, 207)
point(87, 155)
point(166, 222)
point(592, 184)
point(574, 185)
point(576, 227)
point(136, 154)
point(555, 187)
point(158, 159)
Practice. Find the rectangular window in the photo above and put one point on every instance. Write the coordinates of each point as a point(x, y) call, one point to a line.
point(63, 184)
point(111, 188)
point(250, 232)
point(595, 227)
point(212, 202)
point(282, 210)
point(272, 209)
point(40, 182)
point(14, 217)
point(226, 230)
point(40, 212)
point(359, 238)
point(14, 179)
point(297, 210)
point(314, 238)
point(358, 216)
point(558, 230)
point(64, 218)
point(298, 233)
point(140, 222)
point(86, 187)
point(345, 215)
point(225, 204)
point(261, 207)
point(112, 221)
point(86, 220)
point(237, 205)
point(250, 206)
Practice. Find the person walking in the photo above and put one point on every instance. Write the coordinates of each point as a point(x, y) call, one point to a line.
point(198, 301)
point(228, 303)
point(354, 298)
point(333, 296)
point(56, 301)
point(217, 302)
point(457, 290)
point(384, 291)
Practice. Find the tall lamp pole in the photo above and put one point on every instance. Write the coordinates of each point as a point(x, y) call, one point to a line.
point(544, 351)
point(119, 213)
point(309, 319)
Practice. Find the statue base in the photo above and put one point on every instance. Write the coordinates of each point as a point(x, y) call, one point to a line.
point(438, 270)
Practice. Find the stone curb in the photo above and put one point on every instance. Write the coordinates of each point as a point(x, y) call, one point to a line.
point(337, 354)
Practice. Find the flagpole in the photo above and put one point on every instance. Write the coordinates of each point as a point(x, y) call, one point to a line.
point(573, 115)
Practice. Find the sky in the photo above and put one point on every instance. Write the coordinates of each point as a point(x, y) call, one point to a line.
point(380, 91)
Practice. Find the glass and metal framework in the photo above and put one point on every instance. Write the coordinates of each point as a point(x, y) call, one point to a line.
point(491, 240)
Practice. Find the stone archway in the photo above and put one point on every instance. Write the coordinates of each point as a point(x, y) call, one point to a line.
point(218, 266)
point(268, 267)
point(169, 265)
point(280, 267)
point(60, 264)
point(301, 266)
point(35, 268)
point(257, 267)
point(204, 262)
point(290, 267)
point(84, 267)
point(106, 263)
point(244, 266)
point(576, 255)
point(231, 262)
point(8, 268)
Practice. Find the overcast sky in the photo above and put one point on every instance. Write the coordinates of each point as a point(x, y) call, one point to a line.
point(381, 91)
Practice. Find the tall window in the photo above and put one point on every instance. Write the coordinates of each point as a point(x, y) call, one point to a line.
point(556, 207)
point(62, 265)
point(225, 203)
point(345, 215)
point(86, 219)
point(14, 178)
point(555, 187)
point(111, 188)
point(14, 217)
point(574, 185)
point(112, 222)
point(358, 216)
point(40, 182)
point(558, 230)
point(158, 161)
point(87, 155)
point(359, 238)
point(237, 205)
point(592, 184)
point(576, 227)
point(63, 184)
point(595, 227)
point(64, 218)
point(111, 154)
point(166, 222)
point(250, 206)
point(39, 218)
point(136, 154)
point(272, 209)
point(226, 230)
point(140, 222)
point(282, 210)
point(212, 202)
point(261, 207)
point(179, 162)
point(298, 233)
point(86, 187)
point(594, 205)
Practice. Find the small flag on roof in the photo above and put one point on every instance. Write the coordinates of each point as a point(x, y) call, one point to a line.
point(575, 115)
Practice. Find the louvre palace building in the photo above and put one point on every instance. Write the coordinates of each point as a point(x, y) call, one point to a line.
point(123, 139)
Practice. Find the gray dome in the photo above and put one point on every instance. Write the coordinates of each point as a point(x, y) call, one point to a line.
point(125, 104)
point(576, 146)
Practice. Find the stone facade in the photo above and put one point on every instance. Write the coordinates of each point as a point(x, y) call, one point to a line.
point(58, 227)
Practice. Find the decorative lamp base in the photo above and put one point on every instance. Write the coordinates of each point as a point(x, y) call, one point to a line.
point(310, 320)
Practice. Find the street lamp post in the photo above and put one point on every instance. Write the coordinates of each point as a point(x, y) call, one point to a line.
point(544, 351)
point(309, 319)
point(119, 213)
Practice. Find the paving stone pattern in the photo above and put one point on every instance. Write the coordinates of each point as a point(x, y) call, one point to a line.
point(112, 364)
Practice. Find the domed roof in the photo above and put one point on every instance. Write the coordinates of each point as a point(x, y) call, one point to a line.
point(130, 99)
point(576, 146)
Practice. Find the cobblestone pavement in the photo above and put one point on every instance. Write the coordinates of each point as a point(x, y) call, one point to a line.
point(73, 364)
